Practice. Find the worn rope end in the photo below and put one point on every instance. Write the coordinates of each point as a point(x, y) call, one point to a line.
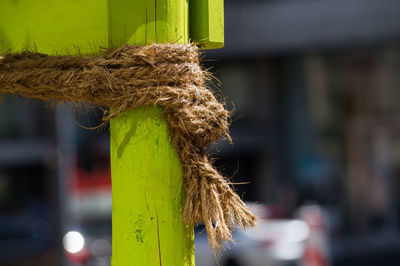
point(211, 200)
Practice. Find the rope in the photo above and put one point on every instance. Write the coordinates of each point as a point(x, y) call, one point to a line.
point(168, 75)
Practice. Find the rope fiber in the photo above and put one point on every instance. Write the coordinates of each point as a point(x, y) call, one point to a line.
point(168, 75)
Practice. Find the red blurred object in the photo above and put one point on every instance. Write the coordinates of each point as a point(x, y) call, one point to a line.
point(314, 257)
point(84, 181)
point(78, 257)
point(316, 247)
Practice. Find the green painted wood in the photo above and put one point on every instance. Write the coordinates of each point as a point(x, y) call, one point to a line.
point(147, 184)
point(145, 22)
point(207, 23)
point(54, 26)
point(148, 194)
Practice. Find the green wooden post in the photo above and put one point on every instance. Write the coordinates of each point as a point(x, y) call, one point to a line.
point(148, 190)
point(147, 186)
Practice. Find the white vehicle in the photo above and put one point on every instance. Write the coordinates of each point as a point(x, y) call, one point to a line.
point(270, 243)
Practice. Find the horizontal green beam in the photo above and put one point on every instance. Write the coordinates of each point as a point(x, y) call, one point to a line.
point(54, 26)
point(86, 26)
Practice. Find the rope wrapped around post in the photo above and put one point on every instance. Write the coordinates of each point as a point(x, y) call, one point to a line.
point(168, 75)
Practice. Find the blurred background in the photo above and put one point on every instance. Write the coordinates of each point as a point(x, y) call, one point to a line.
point(313, 85)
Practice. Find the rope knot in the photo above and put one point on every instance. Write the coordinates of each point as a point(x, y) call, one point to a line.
point(168, 75)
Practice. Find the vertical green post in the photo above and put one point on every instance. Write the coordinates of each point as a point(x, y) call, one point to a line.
point(148, 191)
point(148, 194)
point(147, 186)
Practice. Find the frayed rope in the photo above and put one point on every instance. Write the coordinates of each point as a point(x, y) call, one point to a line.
point(168, 75)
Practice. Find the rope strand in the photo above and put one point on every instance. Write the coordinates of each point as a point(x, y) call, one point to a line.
point(168, 75)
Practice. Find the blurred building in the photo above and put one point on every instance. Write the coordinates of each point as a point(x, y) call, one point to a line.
point(314, 84)
point(30, 216)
